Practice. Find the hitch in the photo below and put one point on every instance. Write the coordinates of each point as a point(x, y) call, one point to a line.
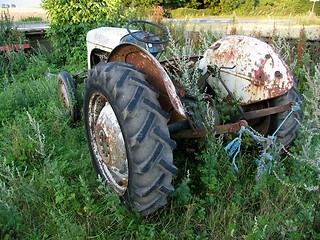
point(268, 111)
point(182, 132)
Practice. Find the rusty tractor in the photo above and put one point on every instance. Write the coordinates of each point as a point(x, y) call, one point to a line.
point(134, 112)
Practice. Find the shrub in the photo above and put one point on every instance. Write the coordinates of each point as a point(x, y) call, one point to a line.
point(7, 30)
point(12, 58)
point(70, 22)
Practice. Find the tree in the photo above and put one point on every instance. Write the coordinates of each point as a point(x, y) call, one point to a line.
point(173, 4)
point(211, 4)
point(142, 3)
point(227, 6)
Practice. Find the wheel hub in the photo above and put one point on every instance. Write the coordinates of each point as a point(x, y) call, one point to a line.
point(109, 145)
point(63, 94)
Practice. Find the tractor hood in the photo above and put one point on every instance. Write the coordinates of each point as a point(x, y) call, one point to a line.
point(105, 38)
point(248, 67)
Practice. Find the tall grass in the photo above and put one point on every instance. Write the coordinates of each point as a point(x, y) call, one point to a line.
point(48, 189)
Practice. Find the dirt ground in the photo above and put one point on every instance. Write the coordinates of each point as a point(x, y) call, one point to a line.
point(20, 13)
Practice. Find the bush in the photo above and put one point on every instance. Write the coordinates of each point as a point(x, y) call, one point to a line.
point(70, 22)
point(9, 34)
point(12, 59)
point(6, 26)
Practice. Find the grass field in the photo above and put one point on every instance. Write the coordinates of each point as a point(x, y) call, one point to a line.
point(49, 190)
point(22, 13)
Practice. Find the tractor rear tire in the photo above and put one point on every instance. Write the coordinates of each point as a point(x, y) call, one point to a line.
point(289, 130)
point(128, 136)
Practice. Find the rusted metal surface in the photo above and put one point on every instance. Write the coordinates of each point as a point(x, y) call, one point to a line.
point(267, 111)
point(155, 75)
point(260, 124)
point(14, 47)
point(202, 132)
point(63, 94)
point(250, 68)
point(171, 62)
point(108, 143)
point(101, 39)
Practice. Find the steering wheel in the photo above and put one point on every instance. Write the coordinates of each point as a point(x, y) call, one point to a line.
point(149, 32)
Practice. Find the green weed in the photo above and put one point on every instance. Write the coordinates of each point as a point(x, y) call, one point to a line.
point(48, 188)
point(31, 19)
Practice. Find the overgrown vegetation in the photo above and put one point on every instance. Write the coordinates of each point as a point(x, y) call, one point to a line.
point(10, 39)
point(69, 23)
point(48, 188)
point(185, 8)
point(31, 19)
point(242, 11)
point(9, 35)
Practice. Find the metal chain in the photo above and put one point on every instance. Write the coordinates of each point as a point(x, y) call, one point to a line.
point(266, 142)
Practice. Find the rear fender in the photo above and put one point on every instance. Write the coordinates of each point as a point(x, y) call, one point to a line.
point(250, 68)
point(155, 75)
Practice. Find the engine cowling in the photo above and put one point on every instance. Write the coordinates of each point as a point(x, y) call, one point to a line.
point(249, 67)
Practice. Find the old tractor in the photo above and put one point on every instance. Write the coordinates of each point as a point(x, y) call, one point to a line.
point(134, 112)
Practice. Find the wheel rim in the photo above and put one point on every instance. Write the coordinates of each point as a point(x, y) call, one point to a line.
point(108, 143)
point(63, 94)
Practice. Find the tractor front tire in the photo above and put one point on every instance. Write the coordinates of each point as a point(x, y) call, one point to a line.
point(68, 95)
point(128, 136)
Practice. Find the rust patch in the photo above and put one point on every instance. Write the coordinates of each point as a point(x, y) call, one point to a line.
point(259, 76)
point(229, 56)
point(62, 89)
point(180, 89)
point(260, 73)
point(267, 111)
point(217, 129)
point(278, 74)
point(171, 62)
point(155, 75)
point(216, 46)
